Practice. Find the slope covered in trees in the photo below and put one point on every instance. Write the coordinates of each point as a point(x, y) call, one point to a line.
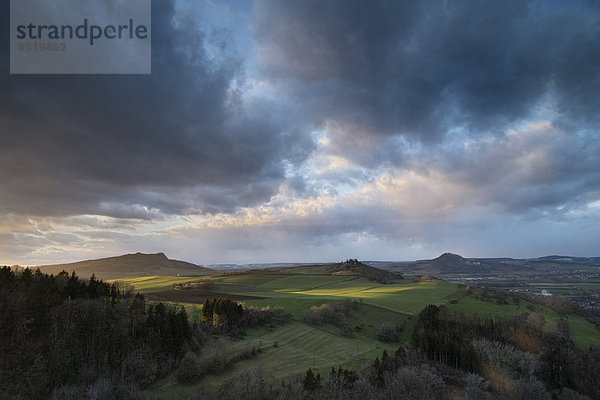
point(57, 331)
point(67, 338)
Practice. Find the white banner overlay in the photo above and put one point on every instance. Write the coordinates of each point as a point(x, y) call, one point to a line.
point(80, 37)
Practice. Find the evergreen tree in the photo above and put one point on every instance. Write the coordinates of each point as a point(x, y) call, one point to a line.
point(37, 378)
point(207, 310)
point(310, 382)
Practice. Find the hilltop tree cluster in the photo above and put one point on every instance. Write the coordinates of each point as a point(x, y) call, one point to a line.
point(354, 266)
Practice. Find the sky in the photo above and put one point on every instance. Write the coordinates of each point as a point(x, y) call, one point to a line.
point(314, 131)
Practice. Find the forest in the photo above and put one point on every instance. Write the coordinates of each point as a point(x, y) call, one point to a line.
point(63, 337)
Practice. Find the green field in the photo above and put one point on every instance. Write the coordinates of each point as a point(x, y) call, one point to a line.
point(147, 284)
point(297, 289)
point(583, 333)
point(300, 346)
point(287, 352)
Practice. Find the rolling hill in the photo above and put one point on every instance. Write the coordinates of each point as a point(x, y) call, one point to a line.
point(450, 264)
point(353, 266)
point(129, 266)
point(287, 351)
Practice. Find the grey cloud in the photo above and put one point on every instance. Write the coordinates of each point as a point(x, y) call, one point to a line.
point(179, 140)
point(18, 245)
point(104, 236)
point(538, 176)
point(421, 68)
point(526, 170)
point(406, 84)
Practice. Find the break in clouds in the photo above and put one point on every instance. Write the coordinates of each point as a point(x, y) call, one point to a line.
point(310, 130)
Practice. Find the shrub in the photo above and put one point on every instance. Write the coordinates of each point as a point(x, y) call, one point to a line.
point(505, 355)
point(37, 378)
point(568, 394)
point(70, 392)
point(335, 314)
point(140, 368)
point(405, 384)
point(105, 389)
point(388, 332)
point(530, 389)
point(249, 384)
point(346, 328)
point(214, 358)
point(190, 369)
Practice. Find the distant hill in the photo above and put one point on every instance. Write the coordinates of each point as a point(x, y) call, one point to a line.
point(453, 263)
point(567, 260)
point(450, 263)
point(129, 266)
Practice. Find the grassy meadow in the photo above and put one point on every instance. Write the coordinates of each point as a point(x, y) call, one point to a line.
point(287, 351)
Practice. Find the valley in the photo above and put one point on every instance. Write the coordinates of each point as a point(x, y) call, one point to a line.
point(347, 315)
point(287, 351)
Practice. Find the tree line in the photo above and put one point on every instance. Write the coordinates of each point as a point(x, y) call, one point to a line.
point(518, 346)
point(59, 331)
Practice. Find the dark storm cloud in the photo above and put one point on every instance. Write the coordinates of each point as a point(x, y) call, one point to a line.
point(423, 68)
point(407, 84)
point(182, 139)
